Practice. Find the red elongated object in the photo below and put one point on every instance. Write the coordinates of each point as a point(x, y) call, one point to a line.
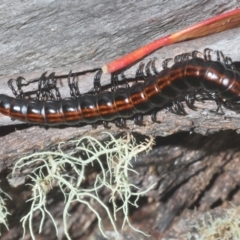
point(212, 25)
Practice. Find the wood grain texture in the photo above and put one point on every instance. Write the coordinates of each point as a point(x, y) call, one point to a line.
point(191, 169)
point(42, 35)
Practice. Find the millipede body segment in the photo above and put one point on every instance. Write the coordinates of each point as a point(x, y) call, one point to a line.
point(217, 78)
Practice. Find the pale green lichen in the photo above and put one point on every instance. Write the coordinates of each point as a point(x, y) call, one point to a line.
point(3, 209)
point(51, 171)
point(226, 227)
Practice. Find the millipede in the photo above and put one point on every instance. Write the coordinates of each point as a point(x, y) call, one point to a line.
point(190, 74)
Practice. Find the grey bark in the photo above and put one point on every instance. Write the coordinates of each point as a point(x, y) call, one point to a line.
point(44, 35)
point(61, 36)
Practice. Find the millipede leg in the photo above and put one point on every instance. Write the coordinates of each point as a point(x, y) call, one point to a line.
point(182, 57)
point(139, 73)
point(235, 66)
point(49, 84)
point(52, 83)
point(70, 85)
point(19, 86)
point(154, 116)
point(190, 101)
point(218, 56)
point(229, 63)
point(73, 86)
point(177, 108)
point(195, 54)
point(45, 87)
point(94, 126)
point(10, 85)
point(105, 125)
point(207, 54)
point(114, 82)
point(201, 95)
point(40, 93)
point(153, 67)
point(125, 80)
point(180, 108)
point(186, 56)
point(219, 103)
point(96, 82)
point(150, 67)
point(138, 119)
point(227, 60)
point(178, 58)
point(121, 123)
point(165, 63)
point(19, 92)
point(147, 69)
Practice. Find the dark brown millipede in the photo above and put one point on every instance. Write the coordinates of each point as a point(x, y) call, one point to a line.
point(219, 79)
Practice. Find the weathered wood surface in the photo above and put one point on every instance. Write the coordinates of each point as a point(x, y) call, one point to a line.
point(80, 35)
point(44, 35)
point(190, 170)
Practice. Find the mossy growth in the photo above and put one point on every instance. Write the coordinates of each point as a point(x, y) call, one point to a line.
point(53, 171)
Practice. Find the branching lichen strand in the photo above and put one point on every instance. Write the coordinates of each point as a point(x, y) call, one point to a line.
point(51, 171)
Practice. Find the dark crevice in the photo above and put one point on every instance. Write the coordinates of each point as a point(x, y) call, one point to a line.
point(5, 130)
point(217, 203)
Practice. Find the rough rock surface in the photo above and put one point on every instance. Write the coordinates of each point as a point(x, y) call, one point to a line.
point(195, 162)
